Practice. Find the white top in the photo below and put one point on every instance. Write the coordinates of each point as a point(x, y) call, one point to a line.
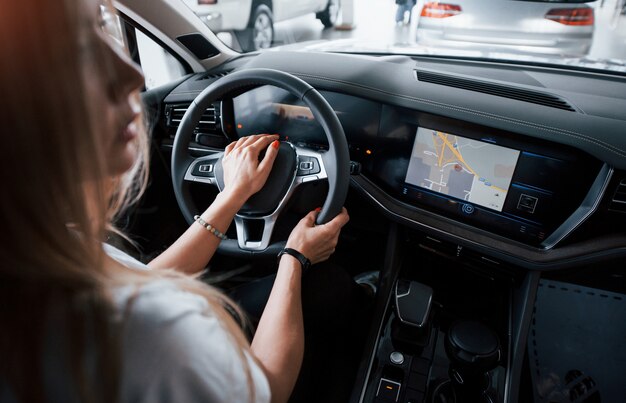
point(176, 350)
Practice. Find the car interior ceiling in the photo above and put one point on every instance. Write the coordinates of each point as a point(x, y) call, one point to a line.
point(478, 286)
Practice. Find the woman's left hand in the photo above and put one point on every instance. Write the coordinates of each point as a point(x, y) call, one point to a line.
point(244, 174)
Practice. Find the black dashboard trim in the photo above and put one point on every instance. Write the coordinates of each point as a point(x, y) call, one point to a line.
point(513, 252)
point(523, 304)
point(495, 88)
point(598, 132)
point(616, 150)
point(585, 210)
point(389, 275)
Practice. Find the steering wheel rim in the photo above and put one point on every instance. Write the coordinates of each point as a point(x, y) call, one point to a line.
point(335, 162)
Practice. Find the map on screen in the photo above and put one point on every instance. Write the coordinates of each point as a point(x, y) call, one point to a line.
point(470, 170)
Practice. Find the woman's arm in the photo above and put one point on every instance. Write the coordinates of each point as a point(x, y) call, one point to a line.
point(193, 250)
point(279, 339)
point(244, 175)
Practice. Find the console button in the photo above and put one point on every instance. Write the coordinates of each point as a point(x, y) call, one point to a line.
point(388, 390)
point(527, 203)
point(467, 209)
point(396, 357)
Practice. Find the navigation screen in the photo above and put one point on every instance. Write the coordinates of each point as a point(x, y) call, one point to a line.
point(470, 170)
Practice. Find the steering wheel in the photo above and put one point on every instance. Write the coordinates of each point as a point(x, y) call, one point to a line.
point(294, 164)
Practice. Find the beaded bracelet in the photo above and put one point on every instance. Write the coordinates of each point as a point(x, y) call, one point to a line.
point(209, 227)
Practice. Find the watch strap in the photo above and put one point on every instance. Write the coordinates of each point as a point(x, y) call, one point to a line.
point(304, 261)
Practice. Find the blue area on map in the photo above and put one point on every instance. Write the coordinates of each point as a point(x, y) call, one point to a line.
point(481, 179)
point(488, 183)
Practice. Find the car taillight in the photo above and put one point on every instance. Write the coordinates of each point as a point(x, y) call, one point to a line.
point(571, 16)
point(433, 9)
point(203, 2)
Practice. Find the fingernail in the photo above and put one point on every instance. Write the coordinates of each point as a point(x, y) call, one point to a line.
point(276, 144)
point(318, 209)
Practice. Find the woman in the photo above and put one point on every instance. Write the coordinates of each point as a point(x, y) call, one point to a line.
point(85, 322)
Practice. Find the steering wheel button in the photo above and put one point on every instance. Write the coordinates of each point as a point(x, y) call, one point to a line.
point(309, 178)
point(206, 168)
point(306, 165)
point(315, 168)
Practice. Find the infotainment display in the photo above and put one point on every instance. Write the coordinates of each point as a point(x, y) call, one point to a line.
point(475, 171)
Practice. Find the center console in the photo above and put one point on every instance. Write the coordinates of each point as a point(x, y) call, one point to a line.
point(445, 333)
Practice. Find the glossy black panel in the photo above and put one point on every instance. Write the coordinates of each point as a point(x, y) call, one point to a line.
point(273, 110)
point(547, 185)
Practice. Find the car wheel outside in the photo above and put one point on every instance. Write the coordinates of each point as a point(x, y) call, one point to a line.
point(260, 31)
point(329, 16)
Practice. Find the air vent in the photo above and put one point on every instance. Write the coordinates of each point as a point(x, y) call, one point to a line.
point(535, 97)
point(208, 132)
point(618, 203)
point(208, 76)
point(208, 121)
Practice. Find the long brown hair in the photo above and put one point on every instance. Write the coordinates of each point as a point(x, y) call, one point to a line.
point(54, 215)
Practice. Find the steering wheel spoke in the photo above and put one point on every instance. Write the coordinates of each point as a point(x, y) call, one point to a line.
point(202, 169)
point(255, 233)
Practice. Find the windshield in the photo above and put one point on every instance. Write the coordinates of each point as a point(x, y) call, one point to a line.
point(590, 35)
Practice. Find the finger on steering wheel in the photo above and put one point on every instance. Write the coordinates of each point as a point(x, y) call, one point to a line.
point(243, 142)
point(235, 145)
point(252, 139)
point(272, 145)
point(261, 143)
point(229, 148)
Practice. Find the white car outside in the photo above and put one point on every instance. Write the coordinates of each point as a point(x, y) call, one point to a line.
point(253, 20)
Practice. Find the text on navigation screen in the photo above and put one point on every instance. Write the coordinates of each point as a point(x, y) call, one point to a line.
point(470, 170)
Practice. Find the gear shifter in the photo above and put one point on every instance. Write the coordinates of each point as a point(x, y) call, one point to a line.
point(411, 329)
point(413, 301)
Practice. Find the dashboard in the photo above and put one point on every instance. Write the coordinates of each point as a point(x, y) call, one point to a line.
point(510, 177)
point(521, 189)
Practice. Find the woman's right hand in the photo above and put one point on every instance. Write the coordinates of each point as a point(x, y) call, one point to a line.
point(244, 174)
point(317, 242)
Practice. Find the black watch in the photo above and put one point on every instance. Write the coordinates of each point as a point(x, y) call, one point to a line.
point(306, 263)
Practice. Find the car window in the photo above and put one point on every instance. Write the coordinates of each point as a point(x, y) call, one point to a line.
point(577, 33)
point(158, 65)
